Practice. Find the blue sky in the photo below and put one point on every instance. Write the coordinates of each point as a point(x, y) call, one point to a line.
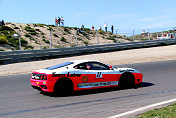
point(124, 14)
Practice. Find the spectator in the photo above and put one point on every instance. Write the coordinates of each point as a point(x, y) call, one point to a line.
point(59, 20)
point(99, 28)
point(2, 23)
point(112, 28)
point(56, 22)
point(62, 21)
point(82, 27)
point(92, 27)
point(105, 25)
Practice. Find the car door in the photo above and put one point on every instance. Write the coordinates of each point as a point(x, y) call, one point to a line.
point(102, 74)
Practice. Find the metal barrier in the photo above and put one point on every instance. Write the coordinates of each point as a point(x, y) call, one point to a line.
point(30, 55)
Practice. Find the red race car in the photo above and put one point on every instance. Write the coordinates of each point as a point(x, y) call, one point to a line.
point(83, 74)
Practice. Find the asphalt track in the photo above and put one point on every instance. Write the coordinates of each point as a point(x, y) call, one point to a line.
point(19, 100)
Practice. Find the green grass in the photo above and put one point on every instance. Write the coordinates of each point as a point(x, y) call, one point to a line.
point(165, 112)
point(3, 39)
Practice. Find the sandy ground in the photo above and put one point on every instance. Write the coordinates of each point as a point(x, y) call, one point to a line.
point(114, 58)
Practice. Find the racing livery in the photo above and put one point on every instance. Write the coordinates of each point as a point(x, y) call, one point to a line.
point(83, 74)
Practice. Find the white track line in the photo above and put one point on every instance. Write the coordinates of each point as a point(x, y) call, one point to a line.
point(143, 108)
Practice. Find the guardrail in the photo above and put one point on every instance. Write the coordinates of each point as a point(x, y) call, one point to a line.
point(31, 55)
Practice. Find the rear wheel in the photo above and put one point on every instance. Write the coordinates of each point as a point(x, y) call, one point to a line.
point(63, 87)
point(127, 80)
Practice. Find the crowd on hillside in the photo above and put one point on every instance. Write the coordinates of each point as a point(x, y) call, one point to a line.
point(105, 26)
point(59, 21)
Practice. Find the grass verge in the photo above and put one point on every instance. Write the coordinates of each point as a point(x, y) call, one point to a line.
point(165, 112)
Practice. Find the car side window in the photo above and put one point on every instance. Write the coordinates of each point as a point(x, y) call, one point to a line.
point(97, 66)
point(81, 66)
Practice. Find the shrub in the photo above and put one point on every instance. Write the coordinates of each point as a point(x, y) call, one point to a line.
point(29, 47)
point(86, 42)
point(13, 42)
point(16, 28)
point(63, 39)
point(27, 35)
point(40, 25)
point(30, 30)
point(31, 38)
point(79, 39)
point(2, 49)
point(112, 38)
point(101, 32)
point(3, 39)
point(23, 42)
point(50, 28)
point(55, 35)
point(37, 30)
point(66, 30)
point(46, 41)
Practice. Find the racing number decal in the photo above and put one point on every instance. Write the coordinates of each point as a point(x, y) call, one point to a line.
point(99, 75)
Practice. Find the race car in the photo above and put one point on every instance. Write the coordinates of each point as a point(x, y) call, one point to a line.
point(83, 74)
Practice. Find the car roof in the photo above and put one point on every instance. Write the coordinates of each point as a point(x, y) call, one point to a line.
point(83, 61)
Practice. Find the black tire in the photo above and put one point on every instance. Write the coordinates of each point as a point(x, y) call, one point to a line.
point(63, 87)
point(127, 80)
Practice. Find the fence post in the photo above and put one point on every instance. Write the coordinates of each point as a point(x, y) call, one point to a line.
point(149, 34)
point(133, 35)
point(76, 38)
point(97, 38)
point(116, 36)
point(50, 40)
point(162, 33)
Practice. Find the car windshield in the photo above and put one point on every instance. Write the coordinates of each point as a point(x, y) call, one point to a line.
point(59, 65)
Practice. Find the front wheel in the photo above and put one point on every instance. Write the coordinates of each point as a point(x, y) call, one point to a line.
point(127, 80)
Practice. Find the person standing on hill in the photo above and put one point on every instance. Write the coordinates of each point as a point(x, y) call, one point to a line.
point(59, 20)
point(62, 21)
point(106, 29)
point(112, 28)
point(99, 28)
point(92, 27)
point(56, 22)
point(2, 23)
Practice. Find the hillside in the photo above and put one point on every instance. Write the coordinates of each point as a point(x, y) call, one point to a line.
point(37, 36)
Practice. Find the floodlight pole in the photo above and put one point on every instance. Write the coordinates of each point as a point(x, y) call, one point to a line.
point(50, 40)
point(19, 35)
point(76, 38)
